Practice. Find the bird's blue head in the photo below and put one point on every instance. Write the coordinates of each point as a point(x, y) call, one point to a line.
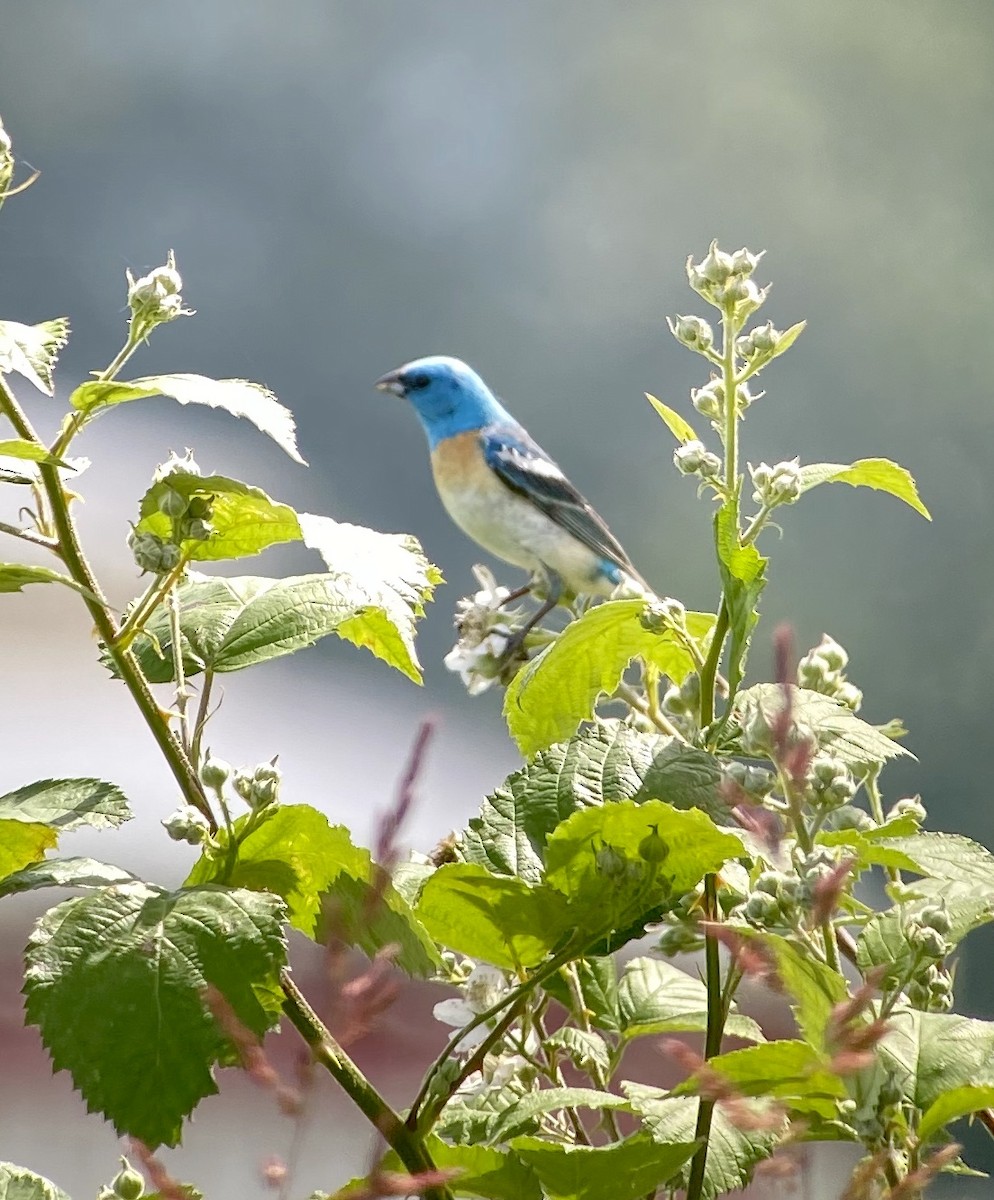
point(448, 396)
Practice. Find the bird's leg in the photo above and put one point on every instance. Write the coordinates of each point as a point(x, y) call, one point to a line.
point(516, 594)
point(553, 595)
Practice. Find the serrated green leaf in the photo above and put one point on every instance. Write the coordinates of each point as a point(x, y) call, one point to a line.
point(18, 1183)
point(656, 997)
point(792, 1072)
point(65, 873)
point(115, 983)
point(468, 1118)
point(244, 519)
point(21, 844)
point(519, 1116)
point(682, 430)
point(951, 1105)
point(14, 577)
point(732, 1152)
point(232, 623)
point(814, 989)
point(601, 764)
point(743, 578)
point(627, 1170)
point(388, 570)
point(66, 804)
point(27, 451)
point(878, 473)
point(482, 1171)
point(932, 1054)
point(557, 690)
point(693, 846)
point(330, 886)
point(837, 728)
point(500, 920)
point(32, 350)
point(597, 977)
point(585, 1048)
point(239, 397)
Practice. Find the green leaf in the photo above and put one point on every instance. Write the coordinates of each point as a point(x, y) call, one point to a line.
point(935, 1053)
point(601, 764)
point(389, 573)
point(18, 1183)
point(692, 843)
point(598, 982)
point(743, 579)
point(878, 473)
point(491, 917)
point(656, 997)
point(239, 397)
point(14, 577)
point(732, 1152)
point(469, 1117)
point(558, 689)
point(29, 451)
point(32, 350)
point(244, 519)
point(682, 430)
point(787, 339)
point(790, 1071)
point(482, 1171)
point(65, 872)
point(627, 1170)
point(21, 844)
point(950, 1106)
point(115, 983)
point(66, 804)
point(949, 858)
point(585, 1049)
point(837, 728)
point(814, 989)
point(516, 1118)
point(233, 623)
point(331, 887)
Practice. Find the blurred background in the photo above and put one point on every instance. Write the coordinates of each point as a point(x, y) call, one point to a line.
point(348, 186)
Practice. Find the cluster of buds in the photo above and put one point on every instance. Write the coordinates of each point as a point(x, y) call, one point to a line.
point(486, 629)
point(759, 344)
point(830, 783)
point(779, 484)
point(931, 989)
point(926, 932)
point(725, 280)
point(187, 824)
point(694, 458)
point(823, 670)
point(773, 901)
point(260, 787)
point(755, 781)
point(156, 298)
point(682, 704)
point(189, 517)
point(127, 1184)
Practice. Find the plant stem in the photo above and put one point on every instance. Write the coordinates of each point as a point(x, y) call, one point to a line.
point(75, 421)
point(27, 535)
point(713, 1036)
point(202, 717)
point(71, 553)
point(710, 672)
point(160, 587)
point(182, 695)
point(401, 1138)
point(631, 697)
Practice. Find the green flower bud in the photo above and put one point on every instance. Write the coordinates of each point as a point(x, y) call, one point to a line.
point(153, 554)
point(833, 654)
point(128, 1184)
point(193, 529)
point(172, 503)
point(187, 824)
point(769, 883)
point(849, 695)
point(934, 916)
point(761, 909)
point(744, 262)
point(653, 848)
point(214, 773)
point(909, 806)
point(242, 783)
point(716, 266)
point(693, 332)
point(610, 863)
point(201, 507)
point(682, 938)
point(693, 458)
point(710, 399)
point(155, 298)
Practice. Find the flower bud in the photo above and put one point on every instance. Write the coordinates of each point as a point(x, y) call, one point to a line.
point(761, 909)
point(682, 938)
point(710, 399)
point(716, 266)
point(187, 824)
point(744, 262)
point(909, 806)
point(193, 529)
point(693, 332)
point(849, 695)
point(155, 298)
point(201, 507)
point(610, 863)
point(693, 458)
point(653, 848)
point(128, 1184)
point(171, 503)
point(934, 916)
point(242, 783)
point(214, 773)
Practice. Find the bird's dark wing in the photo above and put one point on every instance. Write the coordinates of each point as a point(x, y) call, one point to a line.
point(526, 469)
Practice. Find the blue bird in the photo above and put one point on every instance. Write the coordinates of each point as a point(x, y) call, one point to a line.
point(501, 488)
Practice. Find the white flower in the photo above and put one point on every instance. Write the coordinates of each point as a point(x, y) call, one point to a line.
point(481, 991)
point(478, 665)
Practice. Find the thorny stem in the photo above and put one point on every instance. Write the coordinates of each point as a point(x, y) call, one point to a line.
point(160, 587)
point(179, 671)
point(401, 1138)
point(71, 553)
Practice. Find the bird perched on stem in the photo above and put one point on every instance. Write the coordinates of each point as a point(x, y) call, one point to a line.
point(501, 487)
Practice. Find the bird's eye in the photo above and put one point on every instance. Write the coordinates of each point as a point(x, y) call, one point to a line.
point(416, 382)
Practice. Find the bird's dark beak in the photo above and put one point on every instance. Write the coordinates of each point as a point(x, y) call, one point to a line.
point(391, 382)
